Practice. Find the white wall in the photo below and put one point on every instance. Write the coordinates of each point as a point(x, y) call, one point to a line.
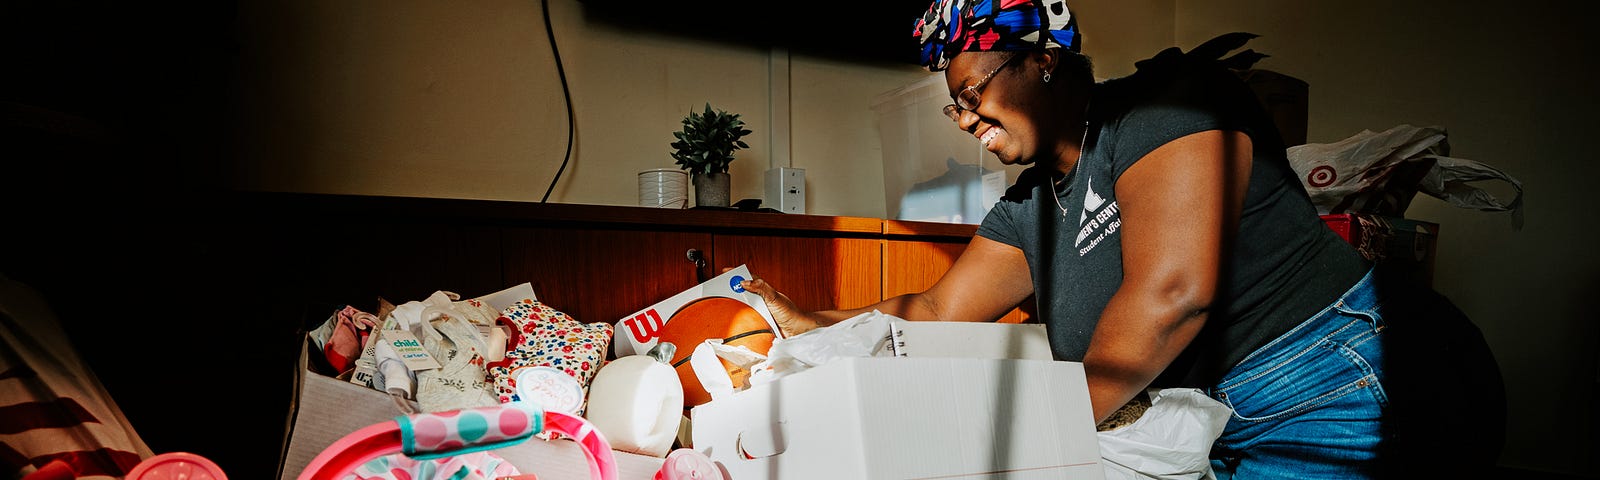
point(415, 98)
point(1513, 85)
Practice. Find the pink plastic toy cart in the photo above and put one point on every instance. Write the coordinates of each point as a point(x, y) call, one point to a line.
point(428, 436)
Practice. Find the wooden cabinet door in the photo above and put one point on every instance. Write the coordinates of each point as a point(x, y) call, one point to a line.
point(599, 275)
point(816, 273)
point(911, 266)
point(324, 264)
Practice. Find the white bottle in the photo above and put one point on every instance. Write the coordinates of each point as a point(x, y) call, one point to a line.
point(636, 402)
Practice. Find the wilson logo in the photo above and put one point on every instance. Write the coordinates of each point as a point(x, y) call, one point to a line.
point(645, 326)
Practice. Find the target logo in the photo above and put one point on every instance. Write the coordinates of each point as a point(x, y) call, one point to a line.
point(1321, 176)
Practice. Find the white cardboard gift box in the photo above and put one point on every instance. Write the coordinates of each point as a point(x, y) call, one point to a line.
point(935, 413)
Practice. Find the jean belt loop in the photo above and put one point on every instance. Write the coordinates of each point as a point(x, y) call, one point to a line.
point(1364, 301)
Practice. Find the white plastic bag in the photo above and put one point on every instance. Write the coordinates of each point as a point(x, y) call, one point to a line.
point(716, 379)
point(1448, 181)
point(1172, 440)
point(1379, 172)
point(864, 335)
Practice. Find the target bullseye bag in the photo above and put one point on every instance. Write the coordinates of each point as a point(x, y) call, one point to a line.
point(1379, 172)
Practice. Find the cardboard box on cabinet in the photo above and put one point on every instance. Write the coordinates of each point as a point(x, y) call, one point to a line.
point(1285, 99)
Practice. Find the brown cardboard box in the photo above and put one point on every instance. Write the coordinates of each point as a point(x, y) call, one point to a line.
point(326, 409)
point(1285, 99)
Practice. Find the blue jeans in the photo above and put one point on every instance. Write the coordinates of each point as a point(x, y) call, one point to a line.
point(1310, 403)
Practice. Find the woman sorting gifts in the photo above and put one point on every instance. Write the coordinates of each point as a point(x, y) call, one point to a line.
point(1166, 241)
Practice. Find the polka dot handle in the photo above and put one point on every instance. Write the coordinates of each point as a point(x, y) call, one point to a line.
point(456, 433)
point(441, 434)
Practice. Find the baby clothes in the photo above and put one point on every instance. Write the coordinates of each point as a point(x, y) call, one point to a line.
point(543, 336)
point(476, 312)
point(445, 332)
point(461, 380)
point(340, 338)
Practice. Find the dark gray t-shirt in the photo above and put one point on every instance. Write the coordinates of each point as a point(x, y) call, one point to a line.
point(1286, 265)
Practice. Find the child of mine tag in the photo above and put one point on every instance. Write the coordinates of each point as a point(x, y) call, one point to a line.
point(410, 350)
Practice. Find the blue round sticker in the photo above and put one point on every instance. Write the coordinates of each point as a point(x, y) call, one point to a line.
point(734, 284)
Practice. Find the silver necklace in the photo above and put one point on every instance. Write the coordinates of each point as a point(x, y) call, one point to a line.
point(1077, 165)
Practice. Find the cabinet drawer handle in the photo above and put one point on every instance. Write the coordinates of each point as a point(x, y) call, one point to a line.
point(698, 258)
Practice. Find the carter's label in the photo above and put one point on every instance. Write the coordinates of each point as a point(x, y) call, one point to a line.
point(410, 350)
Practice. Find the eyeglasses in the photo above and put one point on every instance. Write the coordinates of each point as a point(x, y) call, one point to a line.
point(970, 97)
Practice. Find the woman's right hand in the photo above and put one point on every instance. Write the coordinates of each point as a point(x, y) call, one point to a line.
point(791, 319)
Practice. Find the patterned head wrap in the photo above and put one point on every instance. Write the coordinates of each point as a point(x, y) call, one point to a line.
point(954, 26)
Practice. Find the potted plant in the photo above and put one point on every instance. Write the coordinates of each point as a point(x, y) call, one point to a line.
point(704, 148)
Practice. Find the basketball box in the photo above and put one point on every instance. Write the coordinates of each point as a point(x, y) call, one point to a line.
point(715, 309)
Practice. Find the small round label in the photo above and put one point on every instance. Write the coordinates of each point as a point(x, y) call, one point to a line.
point(552, 388)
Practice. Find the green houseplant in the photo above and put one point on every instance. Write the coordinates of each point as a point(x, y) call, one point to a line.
point(704, 147)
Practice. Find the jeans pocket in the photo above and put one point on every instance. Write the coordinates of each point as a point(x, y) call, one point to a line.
point(1328, 371)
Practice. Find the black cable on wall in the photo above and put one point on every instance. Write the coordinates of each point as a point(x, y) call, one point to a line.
point(566, 96)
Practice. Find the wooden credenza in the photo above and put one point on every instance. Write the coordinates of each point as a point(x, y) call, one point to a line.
point(596, 263)
point(193, 307)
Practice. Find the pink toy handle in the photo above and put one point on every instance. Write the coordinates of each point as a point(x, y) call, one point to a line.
point(442, 434)
point(426, 436)
point(602, 465)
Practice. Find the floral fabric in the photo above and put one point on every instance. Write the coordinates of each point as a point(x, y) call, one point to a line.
point(543, 336)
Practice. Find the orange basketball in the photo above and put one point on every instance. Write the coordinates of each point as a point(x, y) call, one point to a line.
point(735, 322)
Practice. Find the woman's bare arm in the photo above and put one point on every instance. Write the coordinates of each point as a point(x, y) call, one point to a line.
point(986, 281)
point(1180, 206)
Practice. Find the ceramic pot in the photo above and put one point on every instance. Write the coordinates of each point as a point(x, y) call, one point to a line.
point(711, 189)
point(664, 188)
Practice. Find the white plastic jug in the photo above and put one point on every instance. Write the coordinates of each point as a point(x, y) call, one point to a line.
point(636, 402)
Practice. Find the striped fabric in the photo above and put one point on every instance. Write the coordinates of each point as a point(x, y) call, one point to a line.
point(52, 407)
